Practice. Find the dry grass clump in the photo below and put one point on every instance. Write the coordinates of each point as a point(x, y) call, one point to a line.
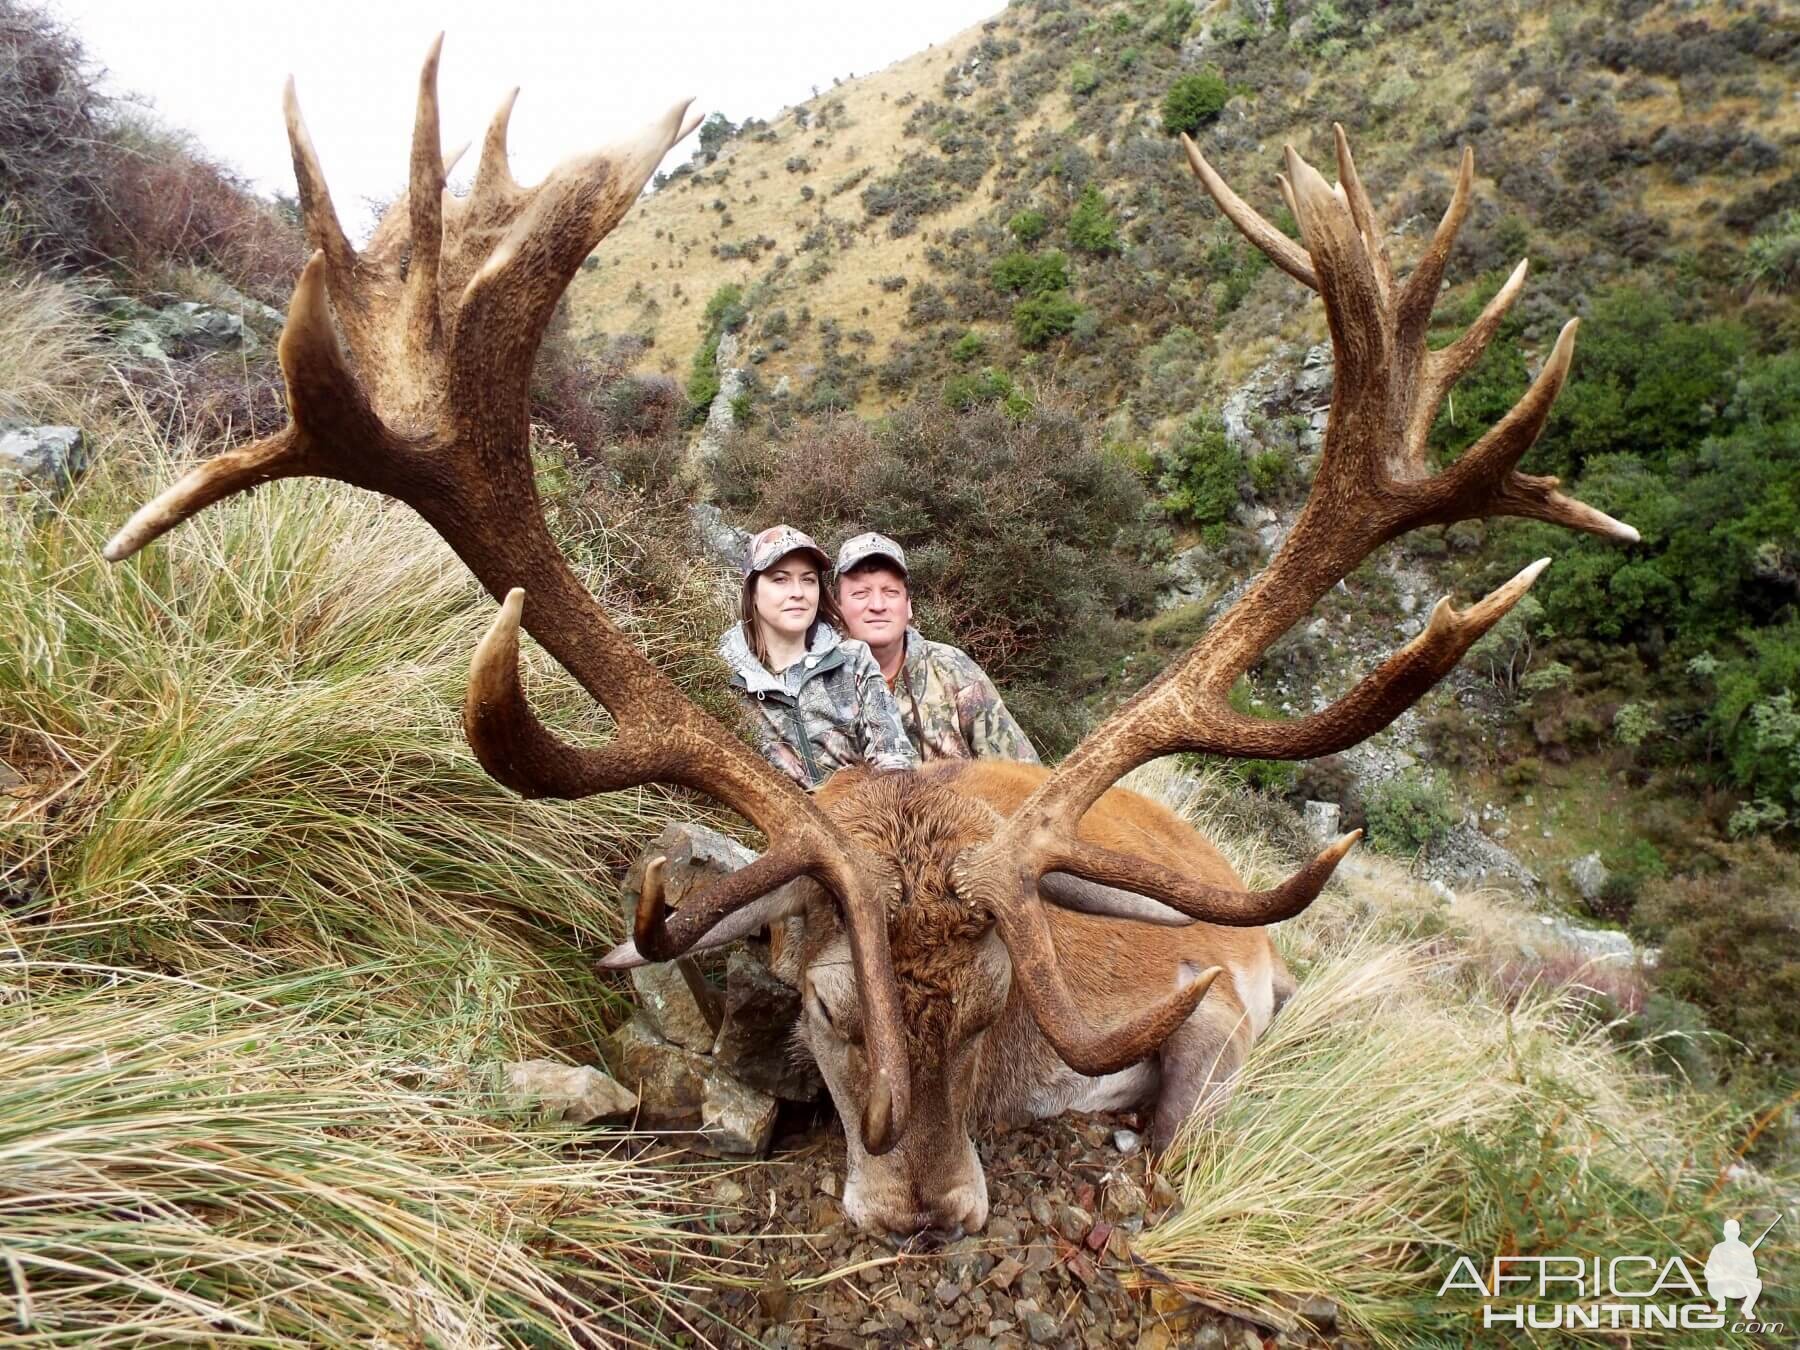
point(278, 1165)
point(48, 359)
point(1416, 1101)
point(247, 747)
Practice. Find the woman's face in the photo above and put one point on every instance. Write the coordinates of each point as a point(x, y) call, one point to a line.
point(787, 594)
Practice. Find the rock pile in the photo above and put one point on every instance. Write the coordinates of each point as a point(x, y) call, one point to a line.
point(709, 1050)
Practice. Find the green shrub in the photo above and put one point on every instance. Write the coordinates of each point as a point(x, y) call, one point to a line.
point(1092, 228)
point(1022, 273)
point(1172, 25)
point(1272, 473)
point(962, 392)
point(1040, 318)
point(1083, 78)
point(1193, 101)
point(967, 347)
point(1409, 811)
point(1731, 945)
point(1028, 226)
point(1772, 258)
point(1129, 58)
point(1200, 473)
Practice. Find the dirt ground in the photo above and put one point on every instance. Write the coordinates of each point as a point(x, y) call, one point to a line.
point(1053, 1267)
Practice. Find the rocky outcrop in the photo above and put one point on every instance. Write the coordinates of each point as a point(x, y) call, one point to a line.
point(708, 1062)
point(41, 461)
point(719, 415)
point(719, 539)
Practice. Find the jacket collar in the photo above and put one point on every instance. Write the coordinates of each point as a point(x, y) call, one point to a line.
point(734, 649)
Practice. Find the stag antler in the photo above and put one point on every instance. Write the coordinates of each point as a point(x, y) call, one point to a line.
point(443, 313)
point(1373, 483)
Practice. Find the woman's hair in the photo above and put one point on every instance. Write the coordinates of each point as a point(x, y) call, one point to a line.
point(828, 613)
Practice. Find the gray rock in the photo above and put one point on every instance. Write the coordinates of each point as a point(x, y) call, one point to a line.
point(696, 857)
point(755, 1041)
point(1588, 875)
point(723, 542)
point(44, 460)
point(719, 417)
point(574, 1092)
point(736, 1119)
point(1465, 856)
point(1191, 574)
point(1127, 1142)
point(187, 327)
point(1321, 820)
point(679, 1090)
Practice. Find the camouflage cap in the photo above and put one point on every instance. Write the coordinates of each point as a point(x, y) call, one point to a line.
point(871, 545)
point(777, 542)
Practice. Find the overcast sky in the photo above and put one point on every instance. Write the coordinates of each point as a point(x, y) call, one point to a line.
point(589, 72)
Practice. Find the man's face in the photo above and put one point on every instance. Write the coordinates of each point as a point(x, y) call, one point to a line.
point(875, 604)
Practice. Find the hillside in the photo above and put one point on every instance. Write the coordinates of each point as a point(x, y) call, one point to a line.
point(862, 225)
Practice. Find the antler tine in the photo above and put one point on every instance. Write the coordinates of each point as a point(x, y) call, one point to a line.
point(527, 271)
point(1362, 212)
point(1282, 251)
point(1443, 368)
point(493, 175)
point(425, 210)
point(317, 213)
point(327, 409)
point(1419, 297)
point(1223, 905)
point(1083, 1047)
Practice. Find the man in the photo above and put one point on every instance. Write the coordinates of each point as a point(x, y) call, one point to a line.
point(948, 705)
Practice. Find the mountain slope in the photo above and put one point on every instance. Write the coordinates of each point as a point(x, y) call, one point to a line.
point(864, 225)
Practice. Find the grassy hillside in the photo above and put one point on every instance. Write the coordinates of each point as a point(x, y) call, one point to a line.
point(863, 225)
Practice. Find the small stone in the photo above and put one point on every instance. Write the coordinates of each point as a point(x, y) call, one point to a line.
point(44, 460)
point(1081, 1268)
point(1072, 1223)
point(1124, 1199)
point(728, 1192)
point(1320, 1311)
point(907, 1311)
point(572, 1092)
point(1127, 1142)
point(1004, 1274)
point(947, 1293)
point(1098, 1235)
point(828, 1184)
point(1039, 1209)
point(1040, 1327)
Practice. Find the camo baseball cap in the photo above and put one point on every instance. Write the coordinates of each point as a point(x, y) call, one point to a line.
point(777, 542)
point(870, 545)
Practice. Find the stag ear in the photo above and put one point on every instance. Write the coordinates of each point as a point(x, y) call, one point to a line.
point(782, 903)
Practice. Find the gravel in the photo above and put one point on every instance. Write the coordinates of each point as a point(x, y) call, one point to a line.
point(1052, 1268)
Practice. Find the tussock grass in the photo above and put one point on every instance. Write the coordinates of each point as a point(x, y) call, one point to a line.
point(248, 744)
point(267, 928)
point(184, 1164)
point(47, 353)
point(1408, 1106)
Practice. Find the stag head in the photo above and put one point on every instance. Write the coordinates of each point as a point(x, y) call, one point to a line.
point(407, 366)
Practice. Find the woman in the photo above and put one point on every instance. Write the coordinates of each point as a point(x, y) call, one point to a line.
point(815, 701)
